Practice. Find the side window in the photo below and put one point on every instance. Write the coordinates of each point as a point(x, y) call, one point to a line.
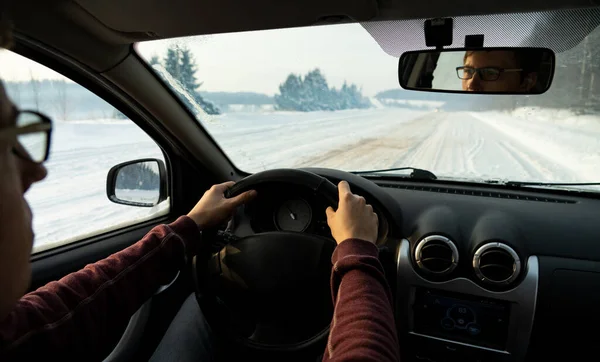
point(89, 137)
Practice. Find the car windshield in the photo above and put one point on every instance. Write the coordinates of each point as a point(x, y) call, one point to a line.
point(329, 96)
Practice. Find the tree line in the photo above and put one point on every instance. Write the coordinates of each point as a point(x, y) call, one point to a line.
point(138, 176)
point(60, 99)
point(312, 93)
point(576, 83)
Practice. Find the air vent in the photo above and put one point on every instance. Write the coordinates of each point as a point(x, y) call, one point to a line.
point(494, 194)
point(496, 263)
point(436, 254)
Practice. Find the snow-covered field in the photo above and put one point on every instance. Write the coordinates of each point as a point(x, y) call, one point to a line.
point(525, 145)
point(71, 202)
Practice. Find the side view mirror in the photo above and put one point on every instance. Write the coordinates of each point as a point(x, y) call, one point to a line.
point(137, 183)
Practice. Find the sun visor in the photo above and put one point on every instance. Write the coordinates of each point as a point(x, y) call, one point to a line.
point(537, 29)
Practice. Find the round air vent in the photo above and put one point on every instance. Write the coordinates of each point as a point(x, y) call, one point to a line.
point(436, 254)
point(496, 263)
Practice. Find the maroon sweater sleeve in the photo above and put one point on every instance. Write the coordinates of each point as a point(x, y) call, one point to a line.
point(81, 316)
point(363, 327)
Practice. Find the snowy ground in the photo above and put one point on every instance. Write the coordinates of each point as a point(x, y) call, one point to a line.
point(71, 202)
point(526, 145)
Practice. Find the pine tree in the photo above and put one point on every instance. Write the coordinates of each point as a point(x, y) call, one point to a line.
point(187, 69)
point(290, 94)
point(172, 64)
point(179, 63)
point(312, 93)
point(154, 60)
point(317, 90)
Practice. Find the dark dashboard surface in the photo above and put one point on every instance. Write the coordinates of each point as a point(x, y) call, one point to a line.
point(565, 226)
point(561, 232)
point(547, 224)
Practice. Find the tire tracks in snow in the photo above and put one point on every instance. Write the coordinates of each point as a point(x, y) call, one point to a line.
point(535, 164)
point(474, 152)
point(443, 149)
point(425, 142)
point(543, 169)
point(526, 166)
point(450, 144)
point(534, 150)
point(378, 152)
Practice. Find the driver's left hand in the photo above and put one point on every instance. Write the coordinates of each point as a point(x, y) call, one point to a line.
point(214, 209)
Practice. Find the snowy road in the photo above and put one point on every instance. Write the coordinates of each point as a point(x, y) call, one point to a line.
point(72, 202)
point(460, 145)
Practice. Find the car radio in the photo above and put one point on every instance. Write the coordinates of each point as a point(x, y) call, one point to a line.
point(460, 320)
point(463, 318)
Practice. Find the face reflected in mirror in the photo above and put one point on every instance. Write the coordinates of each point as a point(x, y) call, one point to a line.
point(478, 70)
point(496, 71)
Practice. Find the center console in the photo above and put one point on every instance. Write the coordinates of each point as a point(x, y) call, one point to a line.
point(460, 320)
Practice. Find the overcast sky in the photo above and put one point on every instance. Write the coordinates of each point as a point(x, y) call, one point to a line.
point(260, 61)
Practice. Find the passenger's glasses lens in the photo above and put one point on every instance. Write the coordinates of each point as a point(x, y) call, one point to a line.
point(35, 144)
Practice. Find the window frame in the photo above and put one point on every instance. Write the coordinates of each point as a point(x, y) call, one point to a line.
point(236, 170)
point(122, 102)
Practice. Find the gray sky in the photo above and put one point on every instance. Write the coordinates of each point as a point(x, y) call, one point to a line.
point(259, 61)
point(14, 67)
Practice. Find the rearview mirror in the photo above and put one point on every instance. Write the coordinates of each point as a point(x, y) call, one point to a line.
point(478, 70)
point(137, 183)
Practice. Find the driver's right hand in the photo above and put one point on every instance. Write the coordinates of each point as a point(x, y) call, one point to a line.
point(354, 218)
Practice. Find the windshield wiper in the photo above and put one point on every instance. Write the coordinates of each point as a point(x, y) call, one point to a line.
point(417, 173)
point(522, 183)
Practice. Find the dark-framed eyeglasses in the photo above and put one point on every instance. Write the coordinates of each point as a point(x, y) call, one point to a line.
point(486, 73)
point(32, 131)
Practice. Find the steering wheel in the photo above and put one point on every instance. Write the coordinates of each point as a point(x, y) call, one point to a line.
point(270, 291)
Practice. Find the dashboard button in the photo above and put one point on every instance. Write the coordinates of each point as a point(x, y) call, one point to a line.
point(448, 323)
point(462, 314)
point(474, 329)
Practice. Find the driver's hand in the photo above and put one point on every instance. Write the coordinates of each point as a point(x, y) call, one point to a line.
point(354, 218)
point(214, 209)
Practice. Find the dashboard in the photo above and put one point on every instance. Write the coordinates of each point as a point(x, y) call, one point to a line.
point(478, 273)
point(281, 207)
point(492, 274)
point(484, 273)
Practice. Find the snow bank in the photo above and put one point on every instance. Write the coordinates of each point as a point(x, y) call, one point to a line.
point(571, 141)
point(96, 121)
point(412, 103)
point(563, 118)
point(143, 196)
point(376, 103)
